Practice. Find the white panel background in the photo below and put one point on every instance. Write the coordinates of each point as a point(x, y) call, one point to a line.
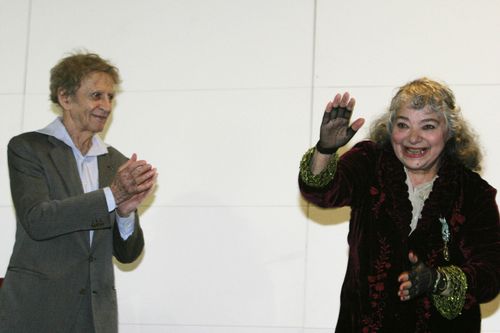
point(224, 96)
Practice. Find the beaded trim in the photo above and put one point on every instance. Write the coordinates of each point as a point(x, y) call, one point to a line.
point(450, 306)
point(322, 179)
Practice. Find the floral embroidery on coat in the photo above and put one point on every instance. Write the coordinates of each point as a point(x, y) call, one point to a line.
point(376, 288)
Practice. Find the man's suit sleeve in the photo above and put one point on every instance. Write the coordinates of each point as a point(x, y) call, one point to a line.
point(126, 251)
point(44, 203)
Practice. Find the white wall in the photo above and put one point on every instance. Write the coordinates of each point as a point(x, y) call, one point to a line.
point(224, 96)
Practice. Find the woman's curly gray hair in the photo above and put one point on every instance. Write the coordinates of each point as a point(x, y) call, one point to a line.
point(462, 143)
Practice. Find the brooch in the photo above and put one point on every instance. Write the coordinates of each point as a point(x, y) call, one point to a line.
point(445, 235)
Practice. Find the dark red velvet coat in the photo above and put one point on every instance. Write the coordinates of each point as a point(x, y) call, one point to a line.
point(371, 180)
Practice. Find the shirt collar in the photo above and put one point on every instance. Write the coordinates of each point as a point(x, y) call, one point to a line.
point(58, 131)
point(425, 187)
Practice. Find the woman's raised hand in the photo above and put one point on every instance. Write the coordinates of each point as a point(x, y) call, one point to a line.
point(335, 130)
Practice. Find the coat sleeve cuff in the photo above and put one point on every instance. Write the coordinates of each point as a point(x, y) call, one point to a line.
point(324, 177)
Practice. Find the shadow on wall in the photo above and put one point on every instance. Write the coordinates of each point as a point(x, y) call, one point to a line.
point(132, 266)
point(489, 309)
point(325, 216)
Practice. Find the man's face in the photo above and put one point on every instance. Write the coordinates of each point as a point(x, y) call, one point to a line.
point(89, 108)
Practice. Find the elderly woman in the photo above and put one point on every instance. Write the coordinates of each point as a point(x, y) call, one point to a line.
point(424, 234)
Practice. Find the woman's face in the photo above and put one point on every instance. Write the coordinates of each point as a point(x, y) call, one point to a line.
point(418, 138)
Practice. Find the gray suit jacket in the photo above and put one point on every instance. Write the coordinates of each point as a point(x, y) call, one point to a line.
point(54, 269)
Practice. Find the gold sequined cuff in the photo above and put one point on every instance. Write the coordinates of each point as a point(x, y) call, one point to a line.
point(450, 306)
point(322, 179)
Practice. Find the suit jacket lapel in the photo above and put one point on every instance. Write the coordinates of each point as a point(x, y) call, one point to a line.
point(65, 164)
point(106, 174)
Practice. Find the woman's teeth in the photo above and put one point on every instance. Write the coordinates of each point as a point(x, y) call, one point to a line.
point(415, 150)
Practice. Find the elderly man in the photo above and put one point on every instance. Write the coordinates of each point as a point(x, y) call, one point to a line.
point(75, 200)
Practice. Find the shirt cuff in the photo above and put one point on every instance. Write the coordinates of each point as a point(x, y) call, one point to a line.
point(125, 225)
point(110, 199)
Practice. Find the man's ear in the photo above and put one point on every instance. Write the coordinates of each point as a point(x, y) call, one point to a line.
point(63, 98)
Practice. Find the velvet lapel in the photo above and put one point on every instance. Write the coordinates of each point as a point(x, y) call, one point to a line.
point(393, 177)
point(443, 195)
point(439, 204)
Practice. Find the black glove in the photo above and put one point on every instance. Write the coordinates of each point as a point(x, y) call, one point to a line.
point(422, 278)
point(335, 130)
